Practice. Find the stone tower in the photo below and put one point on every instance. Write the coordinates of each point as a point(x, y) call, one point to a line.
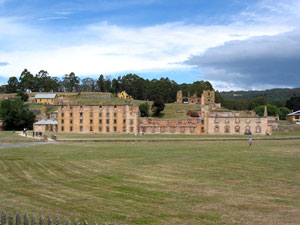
point(208, 97)
point(179, 97)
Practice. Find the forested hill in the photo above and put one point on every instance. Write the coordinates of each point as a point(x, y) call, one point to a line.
point(276, 95)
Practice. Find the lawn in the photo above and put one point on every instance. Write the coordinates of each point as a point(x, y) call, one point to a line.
point(9, 137)
point(155, 183)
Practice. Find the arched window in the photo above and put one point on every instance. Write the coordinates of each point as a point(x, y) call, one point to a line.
point(217, 129)
point(227, 129)
point(258, 129)
point(248, 130)
point(237, 129)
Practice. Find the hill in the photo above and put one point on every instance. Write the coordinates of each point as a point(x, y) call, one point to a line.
point(276, 95)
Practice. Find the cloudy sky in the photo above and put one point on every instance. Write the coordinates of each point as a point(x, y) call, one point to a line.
point(249, 44)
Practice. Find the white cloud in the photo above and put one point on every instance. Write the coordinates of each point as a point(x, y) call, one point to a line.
point(106, 48)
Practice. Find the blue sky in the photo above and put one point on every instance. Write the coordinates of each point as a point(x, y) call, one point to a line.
point(234, 44)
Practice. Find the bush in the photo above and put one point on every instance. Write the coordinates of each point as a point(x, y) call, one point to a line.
point(144, 109)
point(192, 113)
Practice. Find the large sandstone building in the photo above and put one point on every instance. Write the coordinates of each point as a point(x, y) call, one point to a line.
point(121, 119)
point(103, 119)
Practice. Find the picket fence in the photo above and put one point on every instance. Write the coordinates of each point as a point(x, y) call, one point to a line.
point(10, 219)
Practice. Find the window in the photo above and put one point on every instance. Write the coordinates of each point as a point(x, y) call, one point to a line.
point(172, 130)
point(115, 121)
point(124, 129)
point(81, 128)
point(71, 114)
point(62, 114)
point(248, 120)
point(226, 120)
point(71, 121)
point(297, 117)
point(81, 114)
point(248, 130)
point(237, 120)
point(179, 122)
point(182, 130)
point(91, 114)
point(131, 129)
point(81, 108)
point(100, 114)
point(91, 121)
point(81, 121)
point(227, 129)
point(192, 130)
point(258, 129)
point(62, 128)
point(107, 121)
point(131, 122)
point(237, 129)
point(100, 129)
point(107, 114)
point(71, 128)
point(124, 121)
point(115, 114)
point(216, 120)
point(100, 121)
point(71, 107)
point(115, 107)
point(115, 129)
point(62, 121)
point(91, 128)
point(107, 129)
point(100, 106)
point(62, 107)
point(217, 129)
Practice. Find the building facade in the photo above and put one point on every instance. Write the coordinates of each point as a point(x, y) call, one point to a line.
point(176, 126)
point(294, 116)
point(46, 98)
point(102, 119)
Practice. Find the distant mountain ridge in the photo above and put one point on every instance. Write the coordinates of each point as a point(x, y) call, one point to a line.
point(276, 95)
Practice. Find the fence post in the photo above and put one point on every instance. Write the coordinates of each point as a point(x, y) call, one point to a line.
point(76, 222)
point(57, 221)
point(33, 220)
point(68, 222)
point(26, 219)
point(10, 219)
point(18, 219)
point(3, 218)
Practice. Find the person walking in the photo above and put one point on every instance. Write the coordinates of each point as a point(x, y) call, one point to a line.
point(250, 140)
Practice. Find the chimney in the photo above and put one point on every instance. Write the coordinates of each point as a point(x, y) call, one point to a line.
point(266, 111)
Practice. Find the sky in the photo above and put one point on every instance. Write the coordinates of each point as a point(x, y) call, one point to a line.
point(234, 44)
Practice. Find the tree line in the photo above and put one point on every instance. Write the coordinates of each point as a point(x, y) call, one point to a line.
point(136, 86)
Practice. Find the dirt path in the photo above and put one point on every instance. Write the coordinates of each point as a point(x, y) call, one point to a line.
point(23, 145)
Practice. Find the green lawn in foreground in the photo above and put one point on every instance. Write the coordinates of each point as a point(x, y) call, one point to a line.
point(155, 183)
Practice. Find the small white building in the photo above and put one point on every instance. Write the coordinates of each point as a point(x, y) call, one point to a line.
point(45, 125)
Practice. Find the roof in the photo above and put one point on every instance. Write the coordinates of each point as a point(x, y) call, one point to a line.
point(46, 122)
point(45, 96)
point(297, 113)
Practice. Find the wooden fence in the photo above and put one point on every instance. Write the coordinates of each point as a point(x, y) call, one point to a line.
point(10, 219)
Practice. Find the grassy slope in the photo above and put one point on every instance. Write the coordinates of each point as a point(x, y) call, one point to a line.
point(8, 137)
point(156, 183)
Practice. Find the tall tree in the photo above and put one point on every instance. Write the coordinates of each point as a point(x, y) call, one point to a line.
point(26, 81)
point(100, 83)
point(15, 115)
point(71, 82)
point(157, 106)
point(293, 103)
point(12, 85)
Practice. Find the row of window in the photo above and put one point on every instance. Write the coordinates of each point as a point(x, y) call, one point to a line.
point(238, 129)
point(91, 107)
point(100, 121)
point(237, 120)
point(92, 114)
point(170, 129)
point(81, 129)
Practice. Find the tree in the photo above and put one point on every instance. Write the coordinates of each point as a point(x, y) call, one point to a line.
point(283, 111)
point(27, 81)
point(157, 107)
point(71, 82)
point(256, 102)
point(15, 115)
point(88, 85)
point(293, 103)
point(144, 109)
point(23, 96)
point(12, 85)
point(272, 110)
point(100, 83)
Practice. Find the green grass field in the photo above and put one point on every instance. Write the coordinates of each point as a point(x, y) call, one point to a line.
point(9, 137)
point(155, 183)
